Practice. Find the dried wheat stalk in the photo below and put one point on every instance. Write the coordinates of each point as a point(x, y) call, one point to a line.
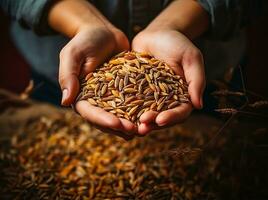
point(259, 104)
point(227, 93)
point(227, 110)
point(28, 90)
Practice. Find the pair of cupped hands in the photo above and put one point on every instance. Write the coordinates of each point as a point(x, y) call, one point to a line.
point(92, 46)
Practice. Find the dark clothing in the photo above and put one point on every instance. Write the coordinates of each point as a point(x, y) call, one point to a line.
point(226, 15)
point(222, 46)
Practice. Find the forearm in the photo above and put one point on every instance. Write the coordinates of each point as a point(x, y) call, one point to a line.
point(69, 16)
point(186, 16)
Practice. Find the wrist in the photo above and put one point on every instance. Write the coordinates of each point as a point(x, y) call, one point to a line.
point(71, 16)
point(185, 16)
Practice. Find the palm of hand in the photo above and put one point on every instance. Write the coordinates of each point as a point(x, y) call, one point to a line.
point(170, 46)
point(185, 59)
point(91, 47)
point(87, 50)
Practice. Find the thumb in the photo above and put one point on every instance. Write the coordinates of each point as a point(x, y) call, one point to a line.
point(193, 67)
point(139, 45)
point(68, 77)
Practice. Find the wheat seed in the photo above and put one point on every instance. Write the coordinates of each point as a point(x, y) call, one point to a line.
point(131, 84)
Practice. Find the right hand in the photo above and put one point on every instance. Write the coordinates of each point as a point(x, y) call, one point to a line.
point(94, 40)
point(89, 48)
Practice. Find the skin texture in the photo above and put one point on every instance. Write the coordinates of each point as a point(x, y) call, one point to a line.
point(94, 39)
point(185, 59)
point(168, 38)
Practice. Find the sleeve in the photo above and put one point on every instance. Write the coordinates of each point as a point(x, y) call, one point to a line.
point(30, 14)
point(227, 17)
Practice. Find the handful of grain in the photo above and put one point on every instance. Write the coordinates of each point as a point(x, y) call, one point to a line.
point(132, 83)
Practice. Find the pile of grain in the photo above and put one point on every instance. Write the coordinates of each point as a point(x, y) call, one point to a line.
point(62, 157)
point(132, 83)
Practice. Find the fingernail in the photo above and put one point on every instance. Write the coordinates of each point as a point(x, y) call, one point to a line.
point(64, 96)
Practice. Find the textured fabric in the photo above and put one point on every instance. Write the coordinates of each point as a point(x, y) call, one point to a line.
point(131, 16)
point(228, 16)
point(29, 13)
point(42, 52)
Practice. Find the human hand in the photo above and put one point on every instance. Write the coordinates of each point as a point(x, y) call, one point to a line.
point(87, 50)
point(185, 59)
point(168, 37)
point(93, 40)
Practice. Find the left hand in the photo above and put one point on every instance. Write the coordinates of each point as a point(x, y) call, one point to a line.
point(185, 59)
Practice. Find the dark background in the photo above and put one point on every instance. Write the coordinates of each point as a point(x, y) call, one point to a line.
point(14, 70)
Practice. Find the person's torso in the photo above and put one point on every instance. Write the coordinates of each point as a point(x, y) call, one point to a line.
point(41, 52)
point(131, 16)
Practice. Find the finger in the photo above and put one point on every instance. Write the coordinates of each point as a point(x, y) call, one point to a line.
point(144, 129)
point(176, 67)
point(173, 116)
point(122, 42)
point(68, 76)
point(98, 116)
point(148, 117)
point(178, 70)
point(89, 66)
point(139, 46)
point(116, 133)
point(128, 127)
point(193, 66)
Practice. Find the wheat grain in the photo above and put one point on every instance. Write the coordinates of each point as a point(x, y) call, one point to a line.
point(132, 83)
